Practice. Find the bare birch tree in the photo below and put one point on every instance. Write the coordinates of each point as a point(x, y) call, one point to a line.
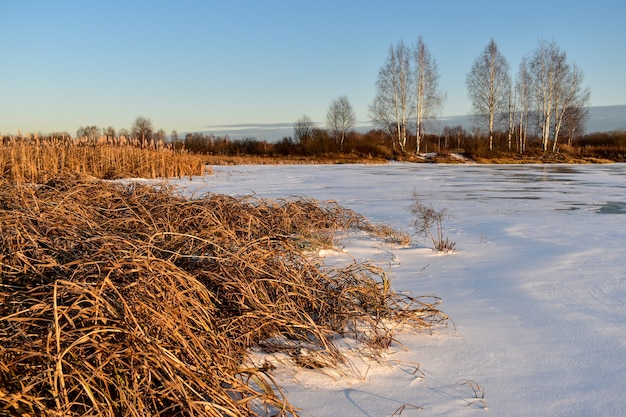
point(340, 119)
point(392, 105)
point(488, 86)
point(570, 96)
point(512, 113)
point(160, 136)
point(543, 66)
point(90, 132)
point(303, 130)
point(109, 132)
point(142, 130)
point(428, 96)
point(574, 122)
point(556, 89)
point(522, 93)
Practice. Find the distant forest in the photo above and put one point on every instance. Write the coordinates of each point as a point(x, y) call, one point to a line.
point(321, 143)
point(376, 143)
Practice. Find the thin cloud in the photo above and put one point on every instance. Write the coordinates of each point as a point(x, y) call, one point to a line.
point(280, 125)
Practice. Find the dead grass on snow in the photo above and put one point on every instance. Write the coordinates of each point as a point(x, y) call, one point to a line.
point(129, 300)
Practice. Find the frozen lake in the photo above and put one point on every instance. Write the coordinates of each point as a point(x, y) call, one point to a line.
point(537, 290)
point(382, 190)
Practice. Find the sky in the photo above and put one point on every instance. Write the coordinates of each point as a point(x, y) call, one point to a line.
point(220, 66)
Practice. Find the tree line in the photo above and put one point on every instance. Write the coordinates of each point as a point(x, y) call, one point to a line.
point(142, 131)
point(543, 107)
point(374, 143)
point(547, 99)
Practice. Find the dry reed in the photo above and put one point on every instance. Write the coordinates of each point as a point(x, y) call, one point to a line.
point(130, 300)
point(39, 160)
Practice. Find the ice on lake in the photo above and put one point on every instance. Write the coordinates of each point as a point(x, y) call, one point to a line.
point(537, 291)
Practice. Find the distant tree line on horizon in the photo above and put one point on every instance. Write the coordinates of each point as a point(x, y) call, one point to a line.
point(375, 143)
point(543, 109)
point(546, 100)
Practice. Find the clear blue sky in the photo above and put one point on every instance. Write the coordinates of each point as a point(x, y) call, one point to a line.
point(195, 65)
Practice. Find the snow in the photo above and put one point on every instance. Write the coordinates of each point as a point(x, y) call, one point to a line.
point(536, 291)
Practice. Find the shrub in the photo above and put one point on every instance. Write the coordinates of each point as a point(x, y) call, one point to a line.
point(427, 218)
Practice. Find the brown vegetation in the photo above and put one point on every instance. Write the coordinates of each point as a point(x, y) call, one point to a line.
point(376, 146)
point(129, 300)
point(39, 160)
point(428, 223)
point(34, 159)
point(335, 158)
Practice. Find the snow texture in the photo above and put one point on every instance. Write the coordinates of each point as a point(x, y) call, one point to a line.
point(536, 291)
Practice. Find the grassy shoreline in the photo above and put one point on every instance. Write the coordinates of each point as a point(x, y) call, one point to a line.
point(128, 299)
point(38, 161)
point(450, 158)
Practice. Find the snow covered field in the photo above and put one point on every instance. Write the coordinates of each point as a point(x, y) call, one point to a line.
point(536, 292)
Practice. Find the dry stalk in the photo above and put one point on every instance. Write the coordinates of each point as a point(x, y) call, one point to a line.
point(429, 223)
point(129, 300)
point(478, 392)
point(40, 160)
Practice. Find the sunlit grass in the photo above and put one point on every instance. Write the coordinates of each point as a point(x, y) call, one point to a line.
point(130, 300)
point(35, 160)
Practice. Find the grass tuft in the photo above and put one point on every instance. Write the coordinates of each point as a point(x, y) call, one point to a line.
point(130, 300)
point(429, 222)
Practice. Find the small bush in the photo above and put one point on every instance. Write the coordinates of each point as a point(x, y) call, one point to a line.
point(427, 219)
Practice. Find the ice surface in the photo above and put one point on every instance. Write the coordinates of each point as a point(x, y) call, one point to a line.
point(537, 291)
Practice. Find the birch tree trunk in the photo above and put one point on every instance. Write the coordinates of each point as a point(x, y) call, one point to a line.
point(392, 104)
point(522, 89)
point(487, 85)
point(428, 96)
point(340, 119)
point(542, 73)
point(512, 114)
point(572, 96)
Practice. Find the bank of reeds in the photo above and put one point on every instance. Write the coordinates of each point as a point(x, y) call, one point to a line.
point(130, 300)
point(39, 160)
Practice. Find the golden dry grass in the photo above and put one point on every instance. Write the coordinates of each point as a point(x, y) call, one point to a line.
point(39, 160)
point(129, 300)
